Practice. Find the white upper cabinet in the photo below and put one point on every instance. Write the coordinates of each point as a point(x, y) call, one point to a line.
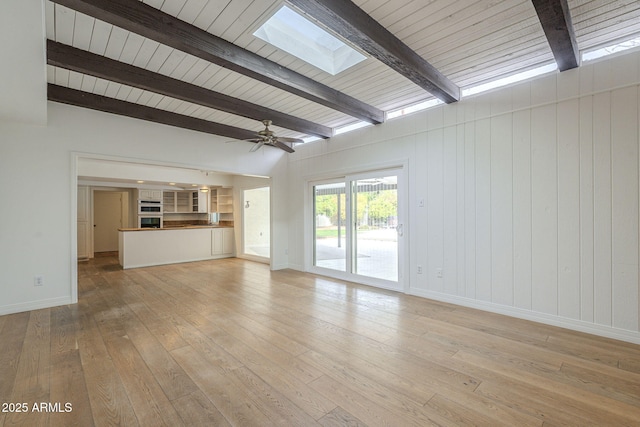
point(151, 195)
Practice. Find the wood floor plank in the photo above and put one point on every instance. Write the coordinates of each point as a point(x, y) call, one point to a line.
point(265, 347)
point(32, 381)
point(286, 380)
point(261, 331)
point(229, 342)
point(3, 320)
point(155, 315)
point(110, 404)
point(627, 390)
point(339, 418)
point(539, 403)
point(374, 379)
point(13, 337)
point(630, 364)
point(279, 409)
point(542, 358)
point(455, 337)
point(459, 414)
point(394, 360)
point(604, 409)
point(371, 409)
point(234, 403)
point(145, 394)
point(68, 385)
point(174, 381)
point(196, 410)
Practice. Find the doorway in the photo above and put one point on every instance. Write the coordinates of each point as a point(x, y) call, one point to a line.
point(109, 213)
point(358, 228)
point(256, 222)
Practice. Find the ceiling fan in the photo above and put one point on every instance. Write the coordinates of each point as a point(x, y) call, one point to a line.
point(268, 137)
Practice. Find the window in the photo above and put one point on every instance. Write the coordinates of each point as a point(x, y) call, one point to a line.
point(611, 49)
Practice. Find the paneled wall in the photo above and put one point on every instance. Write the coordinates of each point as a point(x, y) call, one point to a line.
point(531, 196)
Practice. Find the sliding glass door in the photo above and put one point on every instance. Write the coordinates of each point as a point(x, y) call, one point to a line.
point(357, 228)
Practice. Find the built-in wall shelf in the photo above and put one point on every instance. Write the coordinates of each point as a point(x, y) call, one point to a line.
point(184, 201)
point(221, 201)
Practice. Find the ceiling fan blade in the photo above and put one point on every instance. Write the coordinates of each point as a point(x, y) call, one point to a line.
point(257, 146)
point(283, 146)
point(292, 140)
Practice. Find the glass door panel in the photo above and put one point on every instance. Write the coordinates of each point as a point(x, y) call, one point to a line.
point(375, 218)
point(330, 240)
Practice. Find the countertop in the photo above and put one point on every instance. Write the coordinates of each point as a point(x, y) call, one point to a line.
point(179, 227)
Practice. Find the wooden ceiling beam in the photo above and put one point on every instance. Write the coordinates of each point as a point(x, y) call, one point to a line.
point(115, 106)
point(147, 21)
point(353, 24)
point(68, 57)
point(555, 17)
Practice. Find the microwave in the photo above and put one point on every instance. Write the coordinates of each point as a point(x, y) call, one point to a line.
point(149, 207)
point(150, 221)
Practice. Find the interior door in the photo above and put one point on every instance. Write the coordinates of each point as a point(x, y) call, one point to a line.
point(358, 228)
point(107, 218)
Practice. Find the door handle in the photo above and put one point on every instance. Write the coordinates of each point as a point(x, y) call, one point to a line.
point(399, 230)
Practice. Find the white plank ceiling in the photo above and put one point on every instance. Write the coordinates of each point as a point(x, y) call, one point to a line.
point(469, 41)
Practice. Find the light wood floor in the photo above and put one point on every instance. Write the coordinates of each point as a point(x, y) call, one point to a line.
point(228, 342)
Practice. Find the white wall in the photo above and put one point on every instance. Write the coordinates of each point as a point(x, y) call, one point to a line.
point(23, 87)
point(531, 196)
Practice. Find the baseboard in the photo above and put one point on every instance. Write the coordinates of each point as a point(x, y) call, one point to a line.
point(295, 267)
point(280, 266)
point(547, 319)
point(34, 305)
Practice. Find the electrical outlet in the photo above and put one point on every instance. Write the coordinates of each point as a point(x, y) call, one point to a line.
point(38, 281)
point(419, 269)
point(439, 273)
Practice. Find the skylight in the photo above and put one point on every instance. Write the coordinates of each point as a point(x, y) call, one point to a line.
point(298, 36)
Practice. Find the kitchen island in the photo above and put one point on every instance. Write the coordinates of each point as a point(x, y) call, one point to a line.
point(143, 247)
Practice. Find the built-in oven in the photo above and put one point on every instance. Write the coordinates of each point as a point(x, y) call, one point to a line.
point(149, 207)
point(150, 221)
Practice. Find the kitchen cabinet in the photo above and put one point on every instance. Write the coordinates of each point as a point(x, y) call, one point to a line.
point(222, 241)
point(200, 201)
point(150, 195)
